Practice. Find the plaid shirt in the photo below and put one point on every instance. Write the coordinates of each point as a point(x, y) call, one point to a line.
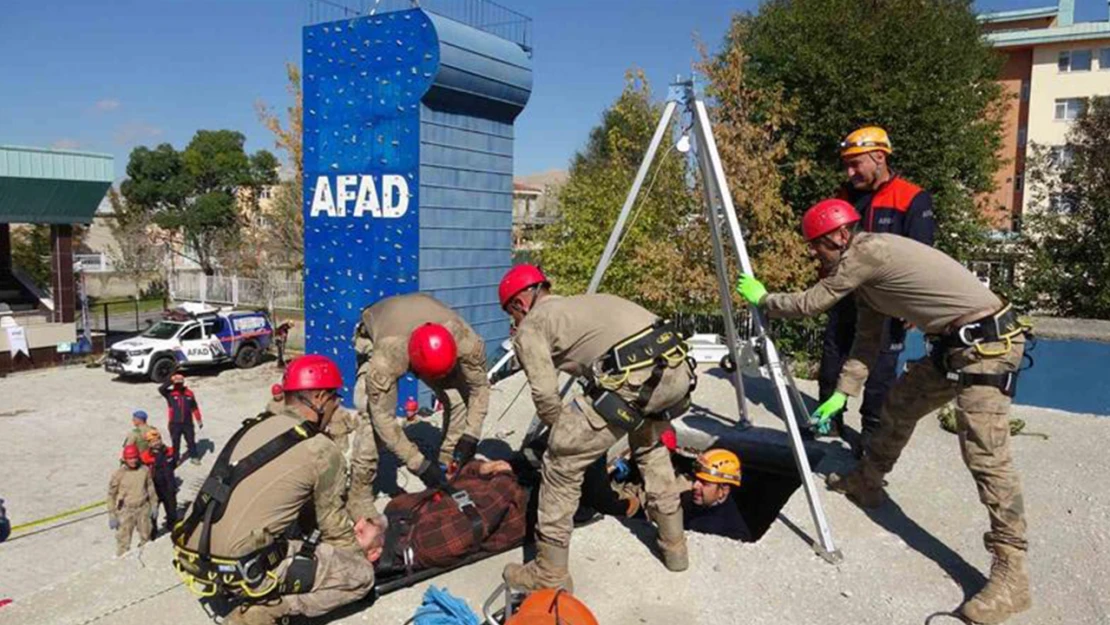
point(441, 534)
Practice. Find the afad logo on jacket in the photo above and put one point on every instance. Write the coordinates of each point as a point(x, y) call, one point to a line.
point(360, 196)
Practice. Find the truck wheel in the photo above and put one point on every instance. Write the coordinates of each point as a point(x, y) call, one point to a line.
point(247, 357)
point(727, 364)
point(162, 369)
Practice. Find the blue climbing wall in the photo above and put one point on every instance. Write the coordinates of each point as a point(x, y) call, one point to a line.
point(408, 127)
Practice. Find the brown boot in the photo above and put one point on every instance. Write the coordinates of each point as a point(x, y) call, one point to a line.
point(1006, 592)
point(548, 570)
point(864, 485)
point(672, 541)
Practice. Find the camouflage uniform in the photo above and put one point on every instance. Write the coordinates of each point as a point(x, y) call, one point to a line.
point(270, 500)
point(381, 341)
point(897, 277)
point(137, 437)
point(571, 334)
point(131, 502)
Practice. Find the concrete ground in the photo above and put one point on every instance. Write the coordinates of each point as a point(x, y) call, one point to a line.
point(918, 555)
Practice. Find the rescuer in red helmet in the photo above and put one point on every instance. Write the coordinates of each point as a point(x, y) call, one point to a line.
point(417, 334)
point(131, 500)
point(976, 342)
point(241, 538)
point(635, 379)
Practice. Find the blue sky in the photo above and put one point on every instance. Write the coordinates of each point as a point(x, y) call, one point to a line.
point(109, 75)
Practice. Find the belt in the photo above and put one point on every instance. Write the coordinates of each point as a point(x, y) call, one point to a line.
point(990, 328)
point(643, 349)
point(252, 574)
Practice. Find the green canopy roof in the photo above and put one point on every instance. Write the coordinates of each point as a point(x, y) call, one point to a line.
point(42, 186)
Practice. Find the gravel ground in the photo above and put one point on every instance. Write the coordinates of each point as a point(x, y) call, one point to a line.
point(918, 555)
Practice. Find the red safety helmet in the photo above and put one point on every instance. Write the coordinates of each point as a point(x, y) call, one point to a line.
point(517, 279)
point(412, 406)
point(130, 452)
point(552, 606)
point(276, 390)
point(826, 216)
point(311, 372)
point(432, 351)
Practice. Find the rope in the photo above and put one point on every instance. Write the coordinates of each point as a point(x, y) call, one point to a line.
point(643, 200)
point(62, 515)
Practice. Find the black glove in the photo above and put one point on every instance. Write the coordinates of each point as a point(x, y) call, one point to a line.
point(465, 450)
point(432, 475)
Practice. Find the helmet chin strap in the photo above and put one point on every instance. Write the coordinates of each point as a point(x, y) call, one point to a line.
point(319, 411)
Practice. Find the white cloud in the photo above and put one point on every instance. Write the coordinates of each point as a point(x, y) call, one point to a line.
point(107, 104)
point(66, 144)
point(134, 132)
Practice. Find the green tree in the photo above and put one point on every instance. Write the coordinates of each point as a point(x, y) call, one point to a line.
point(652, 260)
point(1064, 263)
point(919, 68)
point(196, 193)
point(31, 252)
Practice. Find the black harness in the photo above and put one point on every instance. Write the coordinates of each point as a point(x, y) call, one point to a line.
point(1000, 327)
point(210, 572)
point(659, 346)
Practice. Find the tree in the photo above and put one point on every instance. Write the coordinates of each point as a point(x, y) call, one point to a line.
point(31, 252)
point(653, 256)
point(1065, 259)
point(919, 68)
point(752, 151)
point(196, 193)
point(137, 252)
point(286, 213)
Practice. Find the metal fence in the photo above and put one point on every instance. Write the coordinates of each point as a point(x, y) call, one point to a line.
point(484, 15)
point(238, 291)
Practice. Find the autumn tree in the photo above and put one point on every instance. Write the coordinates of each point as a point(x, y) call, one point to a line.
point(653, 264)
point(285, 216)
point(1065, 256)
point(137, 250)
point(747, 125)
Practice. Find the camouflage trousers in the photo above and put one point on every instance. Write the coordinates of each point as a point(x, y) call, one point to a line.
point(342, 577)
point(132, 520)
point(983, 427)
point(580, 436)
point(364, 468)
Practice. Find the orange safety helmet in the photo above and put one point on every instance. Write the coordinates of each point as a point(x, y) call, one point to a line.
point(432, 351)
point(826, 216)
point(152, 435)
point(517, 279)
point(719, 466)
point(552, 607)
point(312, 372)
point(864, 140)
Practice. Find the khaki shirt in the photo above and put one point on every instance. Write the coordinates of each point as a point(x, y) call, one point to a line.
point(388, 324)
point(343, 423)
point(892, 276)
point(130, 488)
point(264, 504)
point(137, 437)
point(569, 334)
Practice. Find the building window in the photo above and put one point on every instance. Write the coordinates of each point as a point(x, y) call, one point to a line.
point(1074, 61)
point(1060, 157)
point(1068, 109)
point(1104, 59)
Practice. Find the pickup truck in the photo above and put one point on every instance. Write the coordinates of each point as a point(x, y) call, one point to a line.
point(192, 337)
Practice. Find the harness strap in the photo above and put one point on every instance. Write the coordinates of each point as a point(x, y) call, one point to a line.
point(466, 506)
point(216, 491)
point(1005, 382)
point(643, 348)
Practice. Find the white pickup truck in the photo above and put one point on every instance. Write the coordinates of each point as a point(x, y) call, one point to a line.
point(193, 336)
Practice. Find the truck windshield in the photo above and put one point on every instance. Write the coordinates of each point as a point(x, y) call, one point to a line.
point(162, 330)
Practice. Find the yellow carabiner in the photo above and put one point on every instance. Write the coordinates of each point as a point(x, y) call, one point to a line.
point(1008, 342)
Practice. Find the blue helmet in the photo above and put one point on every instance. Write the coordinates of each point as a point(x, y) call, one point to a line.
point(139, 414)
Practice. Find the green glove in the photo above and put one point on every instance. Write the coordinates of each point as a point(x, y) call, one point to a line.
point(822, 417)
point(751, 289)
